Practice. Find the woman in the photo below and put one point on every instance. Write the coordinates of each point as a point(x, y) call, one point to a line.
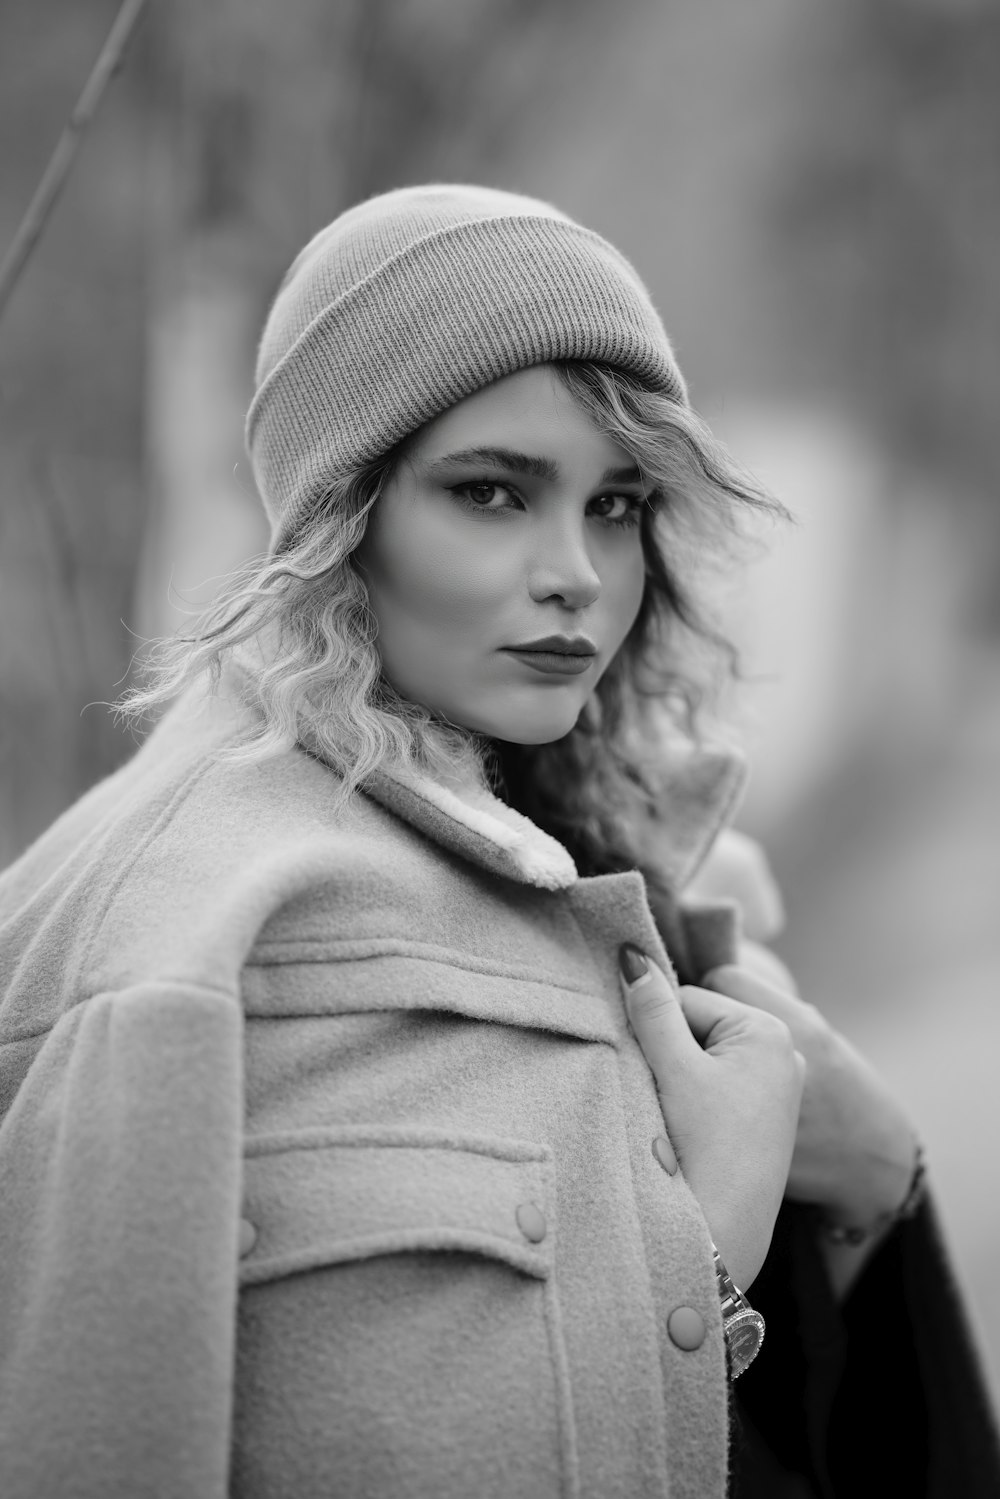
point(359, 1136)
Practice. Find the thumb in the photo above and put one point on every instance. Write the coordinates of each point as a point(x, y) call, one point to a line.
point(654, 1011)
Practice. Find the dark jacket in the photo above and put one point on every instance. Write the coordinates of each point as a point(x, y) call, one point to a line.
point(882, 1396)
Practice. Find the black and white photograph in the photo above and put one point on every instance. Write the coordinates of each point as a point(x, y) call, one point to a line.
point(499, 749)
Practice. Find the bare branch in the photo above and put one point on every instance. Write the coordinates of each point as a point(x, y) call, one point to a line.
point(54, 177)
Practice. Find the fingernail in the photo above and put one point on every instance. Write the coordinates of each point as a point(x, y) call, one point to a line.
point(632, 962)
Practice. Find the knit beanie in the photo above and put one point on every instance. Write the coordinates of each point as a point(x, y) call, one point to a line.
point(412, 301)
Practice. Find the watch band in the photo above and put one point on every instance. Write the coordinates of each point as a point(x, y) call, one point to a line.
point(742, 1325)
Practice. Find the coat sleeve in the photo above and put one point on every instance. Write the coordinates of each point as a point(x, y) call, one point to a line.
point(119, 1200)
point(884, 1395)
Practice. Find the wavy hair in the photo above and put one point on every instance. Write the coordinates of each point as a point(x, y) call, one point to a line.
point(301, 627)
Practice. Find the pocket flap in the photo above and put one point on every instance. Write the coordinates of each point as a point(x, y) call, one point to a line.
point(322, 1196)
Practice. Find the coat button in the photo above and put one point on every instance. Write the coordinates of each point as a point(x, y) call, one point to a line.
point(664, 1153)
point(686, 1328)
point(531, 1222)
point(247, 1236)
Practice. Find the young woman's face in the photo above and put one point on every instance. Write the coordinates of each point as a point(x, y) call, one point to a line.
point(512, 518)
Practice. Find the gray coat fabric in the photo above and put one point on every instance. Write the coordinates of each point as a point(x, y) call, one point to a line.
point(325, 1156)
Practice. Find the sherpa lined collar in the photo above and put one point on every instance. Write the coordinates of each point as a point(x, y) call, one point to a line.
point(479, 826)
point(700, 789)
point(700, 792)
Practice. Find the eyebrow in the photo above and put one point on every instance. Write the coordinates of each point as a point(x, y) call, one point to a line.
point(529, 464)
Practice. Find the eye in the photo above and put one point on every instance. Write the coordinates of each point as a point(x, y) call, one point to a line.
point(625, 509)
point(479, 494)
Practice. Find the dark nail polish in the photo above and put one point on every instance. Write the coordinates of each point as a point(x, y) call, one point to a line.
point(632, 962)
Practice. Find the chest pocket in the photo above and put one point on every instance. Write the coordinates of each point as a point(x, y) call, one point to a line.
point(397, 1329)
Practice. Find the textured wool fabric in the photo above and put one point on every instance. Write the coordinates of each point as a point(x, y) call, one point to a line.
point(415, 299)
point(378, 1039)
point(326, 1167)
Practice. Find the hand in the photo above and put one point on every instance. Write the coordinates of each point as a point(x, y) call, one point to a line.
point(855, 1147)
point(730, 1083)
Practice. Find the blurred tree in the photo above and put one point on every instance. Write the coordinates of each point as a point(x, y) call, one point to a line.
point(887, 224)
point(70, 415)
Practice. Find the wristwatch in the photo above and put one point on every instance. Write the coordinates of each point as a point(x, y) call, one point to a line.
point(743, 1327)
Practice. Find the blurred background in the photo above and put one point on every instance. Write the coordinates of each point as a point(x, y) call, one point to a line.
point(812, 193)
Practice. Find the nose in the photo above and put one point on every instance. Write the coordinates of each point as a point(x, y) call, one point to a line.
point(560, 567)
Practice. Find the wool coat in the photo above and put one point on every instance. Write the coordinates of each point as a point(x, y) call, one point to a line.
point(325, 1156)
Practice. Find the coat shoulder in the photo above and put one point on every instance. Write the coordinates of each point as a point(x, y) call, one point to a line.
point(168, 870)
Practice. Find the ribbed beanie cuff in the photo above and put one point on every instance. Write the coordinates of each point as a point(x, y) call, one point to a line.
point(413, 301)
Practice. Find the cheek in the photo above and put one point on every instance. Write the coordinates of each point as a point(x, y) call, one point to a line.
point(432, 575)
point(625, 587)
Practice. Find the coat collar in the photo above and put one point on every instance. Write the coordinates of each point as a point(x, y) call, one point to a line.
point(699, 794)
point(472, 822)
point(699, 791)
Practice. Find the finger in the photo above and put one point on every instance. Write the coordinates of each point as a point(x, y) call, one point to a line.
point(716, 1018)
point(654, 1013)
point(805, 1022)
point(750, 989)
point(705, 1010)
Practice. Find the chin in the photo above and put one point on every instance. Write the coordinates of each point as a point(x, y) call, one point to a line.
point(517, 721)
point(539, 737)
point(543, 730)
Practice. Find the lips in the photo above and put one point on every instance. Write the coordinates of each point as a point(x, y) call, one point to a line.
point(560, 663)
point(559, 645)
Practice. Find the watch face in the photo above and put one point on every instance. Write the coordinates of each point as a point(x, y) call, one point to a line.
point(744, 1334)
